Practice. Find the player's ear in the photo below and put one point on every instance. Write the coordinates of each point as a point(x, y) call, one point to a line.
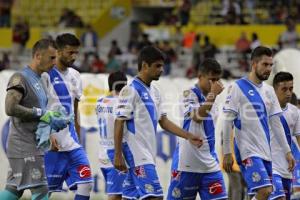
point(144, 65)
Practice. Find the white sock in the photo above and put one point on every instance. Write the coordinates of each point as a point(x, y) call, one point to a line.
point(254, 198)
point(84, 189)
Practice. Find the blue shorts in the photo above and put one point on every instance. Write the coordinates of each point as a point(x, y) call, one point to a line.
point(113, 181)
point(256, 172)
point(70, 166)
point(142, 182)
point(186, 185)
point(296, 173)
point(282, 187)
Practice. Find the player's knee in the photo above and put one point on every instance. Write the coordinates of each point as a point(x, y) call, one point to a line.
point(265, 192)
point(84, 189)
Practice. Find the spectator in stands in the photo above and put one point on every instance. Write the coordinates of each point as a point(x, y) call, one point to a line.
point(255, 41)
point(197, 53)
point(129, 61)
point(145, 41)
point(98, 65)
point(177, 39)
point(114, 48)
point(4, 62)
point(5, 10)
point(231, 11)
point(20, 36)
point(170, 57)
point(242, 47)
point(70, 19)
point(290, 37)
point(112, 64)
point(85, 65)
point(209, 49)
point(89, 40)
point(184, 12)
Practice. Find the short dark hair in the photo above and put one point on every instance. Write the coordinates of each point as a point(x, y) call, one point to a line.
point(281, 77)
point(42, 44)
point(67, 39)
point(210, 65)
point(150, 54)
point(260, 51)
point(116, 81)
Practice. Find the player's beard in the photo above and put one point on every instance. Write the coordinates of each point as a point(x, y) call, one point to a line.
point(262, 77)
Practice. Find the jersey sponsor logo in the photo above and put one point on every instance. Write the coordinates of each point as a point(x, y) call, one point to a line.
point(215, 188)
point(30, 158)
point(176, 193)
point(175, 175)
point(140, 172)
point(145, 95)
point(251, 92)
point(84, 171)
point(56, 80)
point(256, 177)
point(149, 188)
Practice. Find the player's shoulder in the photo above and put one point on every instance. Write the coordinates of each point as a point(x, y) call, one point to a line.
point(188, 93)
point(293, 109)
point(74, 72)
point(127, 91)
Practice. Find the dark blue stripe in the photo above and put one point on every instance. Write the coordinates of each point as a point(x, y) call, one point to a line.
point(130, 125)
point(128, 155)
point(65, 99)
point(286, 129)
point(175, 160)
point(148, 102)
point(208, 124)
point(257, 103)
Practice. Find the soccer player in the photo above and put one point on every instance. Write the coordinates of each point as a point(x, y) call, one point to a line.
point(67, 161)
point(139, 110)
point(196, 170)
point(282, 177)
point(106, 119)
point(252, 106)
point(25, 103)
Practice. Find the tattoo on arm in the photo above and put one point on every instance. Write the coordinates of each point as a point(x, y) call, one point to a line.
point(13, 107)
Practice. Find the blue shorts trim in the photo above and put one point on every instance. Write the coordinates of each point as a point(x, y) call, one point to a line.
point(282, 187)
point(70, 166)
point(186, 185)
point(256, 172)
point(142, 182)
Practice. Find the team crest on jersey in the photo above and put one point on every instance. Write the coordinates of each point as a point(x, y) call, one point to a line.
point(140, 171)
point(176, 193)
point(125, 92)
point(84, 171)
point(186, 93)
point(215, 188)
point(176, 175)
point(247, 162)
point(149, 188)
point(256, 177)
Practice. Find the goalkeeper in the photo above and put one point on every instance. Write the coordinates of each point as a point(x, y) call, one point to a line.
point(25, 103)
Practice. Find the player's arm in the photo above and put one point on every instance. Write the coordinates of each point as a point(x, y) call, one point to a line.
point(199, 114)
point(13, 107)
point(77, 117)
point(169, 126)
point(119, 162)
point(279, 134)
point(227, 120)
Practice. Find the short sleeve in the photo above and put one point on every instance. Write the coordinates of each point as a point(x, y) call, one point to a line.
point(275, 108)
point(296, 130)
point(17, 82)
point(126, 103)
point(188, 102)
point(161, 106)
point(232, 101)
point(78, 87)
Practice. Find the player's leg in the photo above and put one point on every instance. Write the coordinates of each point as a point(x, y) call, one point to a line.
point(212, 186)
point(296, 181)
point(147, 182)
point(257, 173)
point(236, 186)
point(113, 182)
point(129, 190)
point(39, 193)
point(80, 176)
point(183, 185)
point(279, 191)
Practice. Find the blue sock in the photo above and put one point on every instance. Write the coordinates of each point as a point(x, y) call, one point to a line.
point(5, 194)
point(81, 197)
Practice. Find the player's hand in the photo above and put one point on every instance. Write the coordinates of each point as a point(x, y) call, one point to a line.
point(228, 163)
point(291, 161)
point(194, 140)
point(55, 120)
point(216, 87)
point(54, 143)
point(119, 163)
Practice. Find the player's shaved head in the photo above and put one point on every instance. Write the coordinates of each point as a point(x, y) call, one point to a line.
point(42, 44)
